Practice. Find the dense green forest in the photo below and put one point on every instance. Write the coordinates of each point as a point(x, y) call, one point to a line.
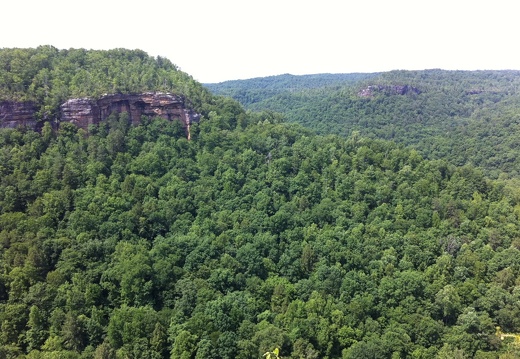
point(465, 117)
point(258, 90)
point(133, 242)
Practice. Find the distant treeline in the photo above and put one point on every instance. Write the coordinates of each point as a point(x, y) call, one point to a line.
point(465, 117)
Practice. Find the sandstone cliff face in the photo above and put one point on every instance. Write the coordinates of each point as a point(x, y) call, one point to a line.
point(81, 112)
point(14, 114)
point(84, 111)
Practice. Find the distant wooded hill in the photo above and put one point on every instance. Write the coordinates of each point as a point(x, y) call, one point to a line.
point(462, 116)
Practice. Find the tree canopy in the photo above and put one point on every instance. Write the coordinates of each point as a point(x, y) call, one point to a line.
point(49, 77)
point(464, 117)
point(255, 237)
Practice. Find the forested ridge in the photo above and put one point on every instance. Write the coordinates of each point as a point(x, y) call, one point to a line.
point(258, 90)
point(49, 76)
point(465, 117)
point(133, 242)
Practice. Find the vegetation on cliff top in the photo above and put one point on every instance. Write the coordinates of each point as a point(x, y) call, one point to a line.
point(49, 77)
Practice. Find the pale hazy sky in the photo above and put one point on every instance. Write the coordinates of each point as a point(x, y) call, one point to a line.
point(217, 40)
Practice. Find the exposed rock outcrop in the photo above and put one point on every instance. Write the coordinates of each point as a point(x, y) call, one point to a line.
point(388, 90)
point(81, 112)
point(14, 114)
point(85, 111)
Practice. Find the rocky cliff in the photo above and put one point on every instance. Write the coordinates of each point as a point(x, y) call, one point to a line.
point(14, 114)
point(85, 111)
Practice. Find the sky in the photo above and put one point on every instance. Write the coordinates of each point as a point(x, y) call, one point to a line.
point(215, 41)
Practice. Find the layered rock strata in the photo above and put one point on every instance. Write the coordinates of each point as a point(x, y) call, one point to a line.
point(85, 111)
point(15, 114)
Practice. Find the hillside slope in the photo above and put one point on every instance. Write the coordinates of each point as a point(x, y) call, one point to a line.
point(133, 242)
point(461, 116)
point(258, 90)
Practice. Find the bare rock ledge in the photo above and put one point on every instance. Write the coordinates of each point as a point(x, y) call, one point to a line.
point(85, 111)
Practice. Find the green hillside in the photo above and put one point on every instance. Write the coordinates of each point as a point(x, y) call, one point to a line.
point(49, 76)
point(258, 90)
point(464, 117)
point(133, 242)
